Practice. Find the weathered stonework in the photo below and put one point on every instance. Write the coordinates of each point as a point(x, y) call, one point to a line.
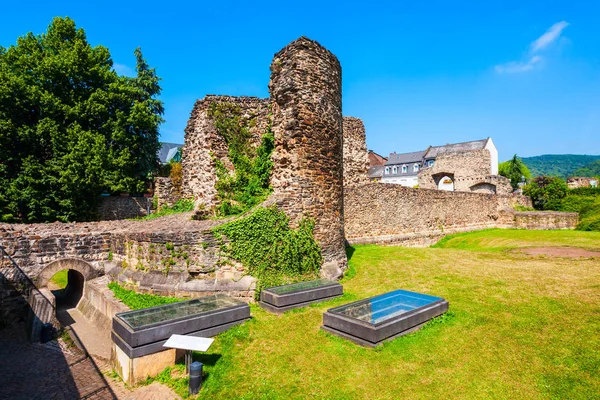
point(546, 220)
point(204, 144)
point(306, 101)
point(99, 303)
point(470, 171)
point(579, 181)
point(165, 193)
point(116, 207)
point(356, 157)
point(173, 245)
point(394, 214)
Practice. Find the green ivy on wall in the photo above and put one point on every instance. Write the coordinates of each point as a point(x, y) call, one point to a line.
point(248, 185)
point(272, 252)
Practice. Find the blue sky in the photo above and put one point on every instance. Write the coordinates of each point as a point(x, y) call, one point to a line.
point(417, 73)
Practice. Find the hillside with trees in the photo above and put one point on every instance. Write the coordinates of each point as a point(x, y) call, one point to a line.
point(591, 170)
point(561, 165)
point(71, 127)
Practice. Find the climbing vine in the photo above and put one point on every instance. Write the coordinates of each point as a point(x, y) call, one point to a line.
point(248, 184)
point(272, 252)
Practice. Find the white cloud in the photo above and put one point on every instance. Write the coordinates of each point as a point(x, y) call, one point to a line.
point(518, 66)
point(550, 36)
point(123, 69)
point(540, 43)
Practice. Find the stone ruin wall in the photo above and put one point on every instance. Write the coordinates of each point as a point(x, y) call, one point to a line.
point(175, 257)
point(202, 142)
point(165, 193)
point(356, 156)
point(394, 214)
point(579, 181)
point(546, 220)
point(115, 207)
point(471, 171)
point(305, 112)
point(307, 178)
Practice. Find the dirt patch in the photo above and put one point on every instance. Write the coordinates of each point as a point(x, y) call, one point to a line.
point(572, 252)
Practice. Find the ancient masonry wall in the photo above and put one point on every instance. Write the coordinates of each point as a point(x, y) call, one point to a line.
point(546, 220)
point(165, 193)
point(468, 168)
point(203, 144)
point(115, 208)
point(177, 256)
point(306, 101)
point(33, 250)
point(356, 157)
point(493, 184)
point(393, 214)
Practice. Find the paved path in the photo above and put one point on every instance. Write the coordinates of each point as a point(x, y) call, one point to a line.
point(97, 342)
point(57, 371)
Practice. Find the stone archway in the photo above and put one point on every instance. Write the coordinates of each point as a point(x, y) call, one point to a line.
point(84, 268)
point(484, 187)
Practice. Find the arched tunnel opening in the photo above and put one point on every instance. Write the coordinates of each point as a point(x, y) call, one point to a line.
point(67, 287)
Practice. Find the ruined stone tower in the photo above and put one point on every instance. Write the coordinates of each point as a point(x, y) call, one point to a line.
point(356, 156)
point(307, 180)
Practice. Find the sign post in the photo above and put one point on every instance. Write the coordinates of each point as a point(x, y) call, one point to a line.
point(189, 344)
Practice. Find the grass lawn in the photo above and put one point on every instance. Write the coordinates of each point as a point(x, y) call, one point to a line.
point(136, 301)
point(519, 326)
point(61, 278)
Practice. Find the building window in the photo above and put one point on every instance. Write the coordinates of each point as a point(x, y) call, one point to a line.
point(404, 169)
point(394, 170)
point(416, 168)
point(430, 163)
point(387, 170)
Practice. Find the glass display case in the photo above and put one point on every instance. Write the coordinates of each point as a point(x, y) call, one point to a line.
point(279, 299)
point(371, 321)
point(142, 332)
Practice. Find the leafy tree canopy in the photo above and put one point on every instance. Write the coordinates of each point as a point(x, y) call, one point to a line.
point(514, 169)
point(545, 191)
point(71, 127)
point(591, 170)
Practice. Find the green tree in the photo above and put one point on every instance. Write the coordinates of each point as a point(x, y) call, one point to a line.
point(514, 169)
point(71, 127)
point(545, 191)
point(591, 170)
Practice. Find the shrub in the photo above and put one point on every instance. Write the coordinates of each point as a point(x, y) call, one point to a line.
point(545, 189)
point(136, 301)
point(272, 252)
point(249, 182)
point(176, 175)
point(181, 206)
point(585, 191)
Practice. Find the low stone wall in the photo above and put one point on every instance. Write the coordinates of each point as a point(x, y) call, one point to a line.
point(196, 253)
point(115, 207)
point(171, 245)
point(393, 214)
point(376, 213)
point(99, 304)
point(178, 284)
point(546, 220)
point(42, 310)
